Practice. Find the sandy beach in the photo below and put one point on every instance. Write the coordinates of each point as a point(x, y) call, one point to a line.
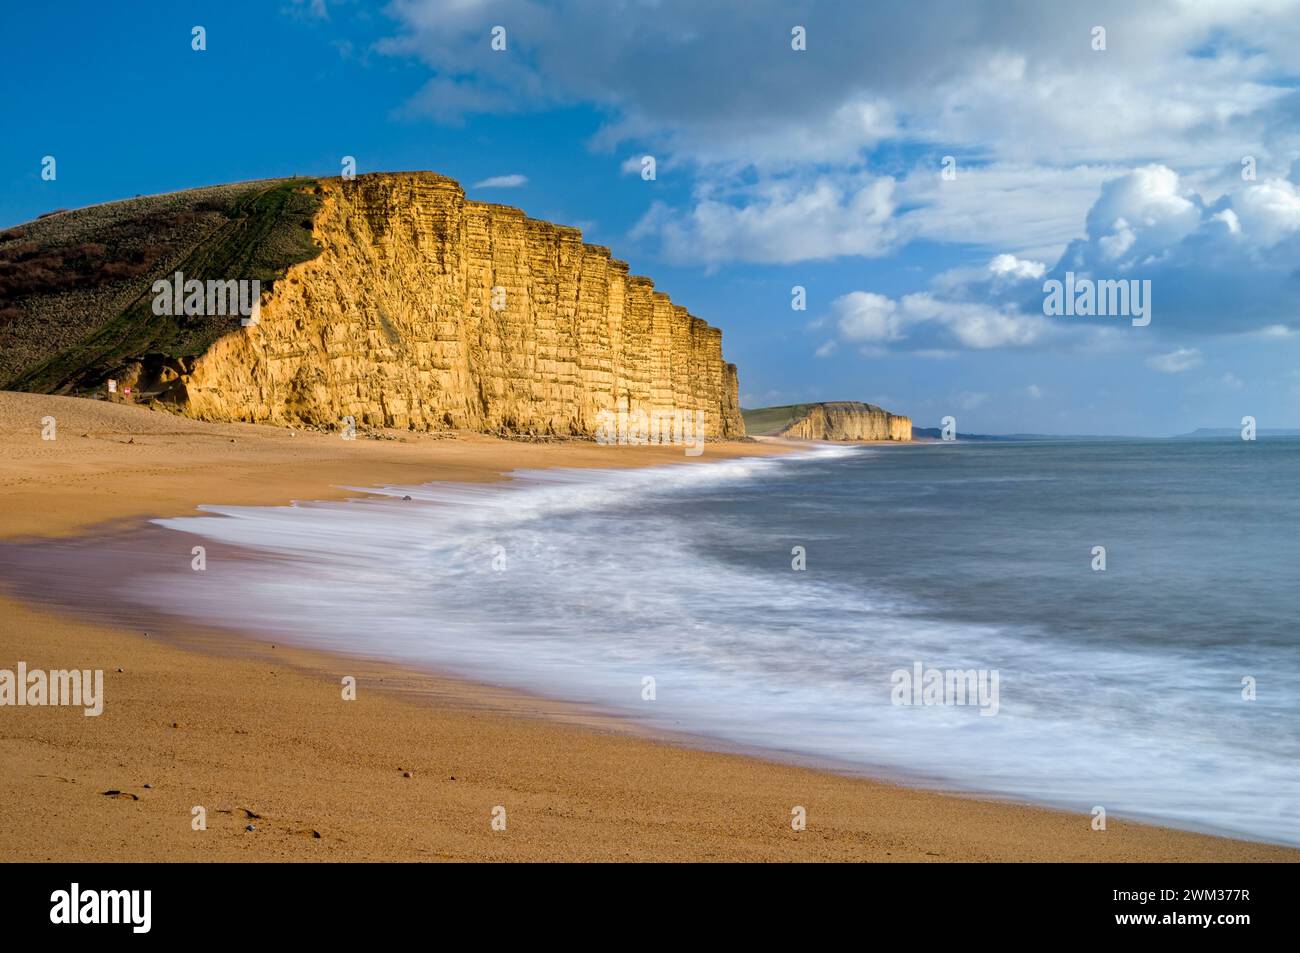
point(259, 737)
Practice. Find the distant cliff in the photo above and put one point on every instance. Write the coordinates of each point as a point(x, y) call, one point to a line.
point(833, 420)
point(411, 307)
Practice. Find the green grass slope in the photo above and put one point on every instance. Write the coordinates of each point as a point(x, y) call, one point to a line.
point(766, 421)
point(75, 286)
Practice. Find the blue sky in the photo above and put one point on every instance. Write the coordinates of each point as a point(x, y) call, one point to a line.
point(776, 167)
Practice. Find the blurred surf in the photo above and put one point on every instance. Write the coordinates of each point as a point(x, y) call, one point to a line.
point(1120, 688)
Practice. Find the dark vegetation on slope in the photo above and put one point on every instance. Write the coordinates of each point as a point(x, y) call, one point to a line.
point(75, 287)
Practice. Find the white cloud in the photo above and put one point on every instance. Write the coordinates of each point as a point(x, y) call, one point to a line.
point(1017, 269)
point(1176, 361)
point(1151, 203)
point(770, 142)
point(1117, 243)
point(866, 316)
point(1211, 270)
point(1033, 210)
point(1269, 211)
point(778, 221)
point(975, 324)
point(1225, 266)
point(1034, 391)
point(933, 324)
point(1035, 118)
point(1011, 81)
point(512, 181)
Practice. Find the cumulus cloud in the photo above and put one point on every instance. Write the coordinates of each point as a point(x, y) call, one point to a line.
point(1222, 266)
point(1149, 202)
point(1269, 212)
point(1016, 269)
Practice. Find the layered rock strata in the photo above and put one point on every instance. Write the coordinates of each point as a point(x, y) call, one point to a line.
point(426, 310)
point(847, 420)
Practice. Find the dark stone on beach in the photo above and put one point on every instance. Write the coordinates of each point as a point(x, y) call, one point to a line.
point(406, 497)
point(149, 787)
point(250, 827)
point(407, 774)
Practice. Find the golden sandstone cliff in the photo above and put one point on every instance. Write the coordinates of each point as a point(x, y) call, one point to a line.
point(425, 310)
point(832, 420)
point(388, 300)
point(849, 420)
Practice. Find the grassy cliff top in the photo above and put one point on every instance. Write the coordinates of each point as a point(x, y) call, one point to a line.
point(767, 421)
point(75, 286)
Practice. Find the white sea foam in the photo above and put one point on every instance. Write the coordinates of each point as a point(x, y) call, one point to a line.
point(604, 584)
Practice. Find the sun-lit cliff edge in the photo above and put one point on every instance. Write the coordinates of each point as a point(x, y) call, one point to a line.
point(421, 309)
point(832, 420)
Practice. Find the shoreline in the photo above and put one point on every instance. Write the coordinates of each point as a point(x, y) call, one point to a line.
point(262, 729)
point(423, 682)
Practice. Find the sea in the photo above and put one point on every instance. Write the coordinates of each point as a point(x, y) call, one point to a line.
point(1128, 608)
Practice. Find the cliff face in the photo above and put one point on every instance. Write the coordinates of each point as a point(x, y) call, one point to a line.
point(425, 310)
point(849, 420)
point(835, 420)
